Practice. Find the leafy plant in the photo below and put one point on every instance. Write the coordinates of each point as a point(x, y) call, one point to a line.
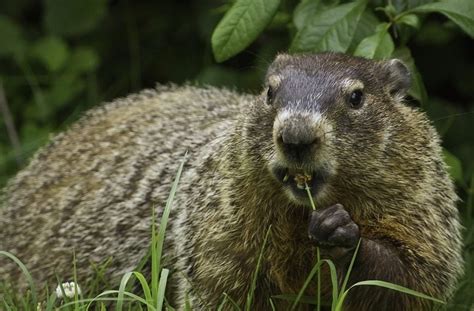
point(52, 69)
point(332, 26)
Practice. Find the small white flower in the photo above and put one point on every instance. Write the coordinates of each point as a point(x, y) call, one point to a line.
point(69, 290)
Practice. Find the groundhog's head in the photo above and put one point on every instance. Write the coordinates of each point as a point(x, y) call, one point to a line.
point(324, 118)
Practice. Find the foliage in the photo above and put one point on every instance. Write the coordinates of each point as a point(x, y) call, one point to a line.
point(241, 25)
point(331, 26)
point(58, 60)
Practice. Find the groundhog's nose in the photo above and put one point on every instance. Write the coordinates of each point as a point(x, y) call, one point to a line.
point(298, 143)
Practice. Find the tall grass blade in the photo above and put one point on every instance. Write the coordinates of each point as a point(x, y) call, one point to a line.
point(335, 285)
point(24, 301)
point(7, 306)
point(114, 292)
point(187, 304)
point(27, 274)
point(272, 304)
point(162, 288)
point(222, 304)
point(232, 302)
point(100, 272)
point(155, 261)
point(168, 307)
point(318, 258)
point(351, 265)
point(316, 267)
point(65, 298)
point(121, 290)
point(388, 285)
point(157, 248)
point(145, 259)
point(74, 270)
point(251, 293)
point(145, 287)
point(7, 295)
point(50, 302)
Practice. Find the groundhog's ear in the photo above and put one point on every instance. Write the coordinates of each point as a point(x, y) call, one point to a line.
point(396, 77)
point(282, 58)
point(280, 62)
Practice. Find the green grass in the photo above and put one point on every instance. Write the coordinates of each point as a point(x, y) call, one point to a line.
point(152, 296)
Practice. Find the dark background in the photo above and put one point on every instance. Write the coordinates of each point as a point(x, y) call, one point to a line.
point(59, 58)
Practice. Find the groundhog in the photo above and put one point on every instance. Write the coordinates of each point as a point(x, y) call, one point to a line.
point(334, 123)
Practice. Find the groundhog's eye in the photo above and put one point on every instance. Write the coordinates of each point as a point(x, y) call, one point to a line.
point(269, 95)
point(356, 98)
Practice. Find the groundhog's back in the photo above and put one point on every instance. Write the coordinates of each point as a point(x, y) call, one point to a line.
point(92, 188)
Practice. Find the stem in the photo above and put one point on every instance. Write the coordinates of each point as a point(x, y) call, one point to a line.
point(12, 133)
point(318, 257)
point(310, 196)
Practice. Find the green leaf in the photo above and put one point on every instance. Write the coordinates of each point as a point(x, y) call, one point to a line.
point(389, 10)
point(52, 52)
point(410, 20)
point(11, 38)
point(459, 11)
point(367, 23)
point(409, 4)
point(330, 30)
point(454, 166)
point(74, 18)
point(405, 5)
point(417, 89)
point(303, 11)
point(241, 25)
point(82, 60)
point(64, 89)
point(377, 46)
point(307, 8)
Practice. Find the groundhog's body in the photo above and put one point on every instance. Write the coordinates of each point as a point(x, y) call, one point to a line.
point(92, 189)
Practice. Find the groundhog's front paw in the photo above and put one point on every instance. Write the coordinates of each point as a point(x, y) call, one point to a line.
point(333, 229)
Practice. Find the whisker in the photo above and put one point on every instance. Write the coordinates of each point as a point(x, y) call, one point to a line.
point(453, 115)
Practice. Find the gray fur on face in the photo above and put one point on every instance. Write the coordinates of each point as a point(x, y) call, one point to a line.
point(91, 190)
